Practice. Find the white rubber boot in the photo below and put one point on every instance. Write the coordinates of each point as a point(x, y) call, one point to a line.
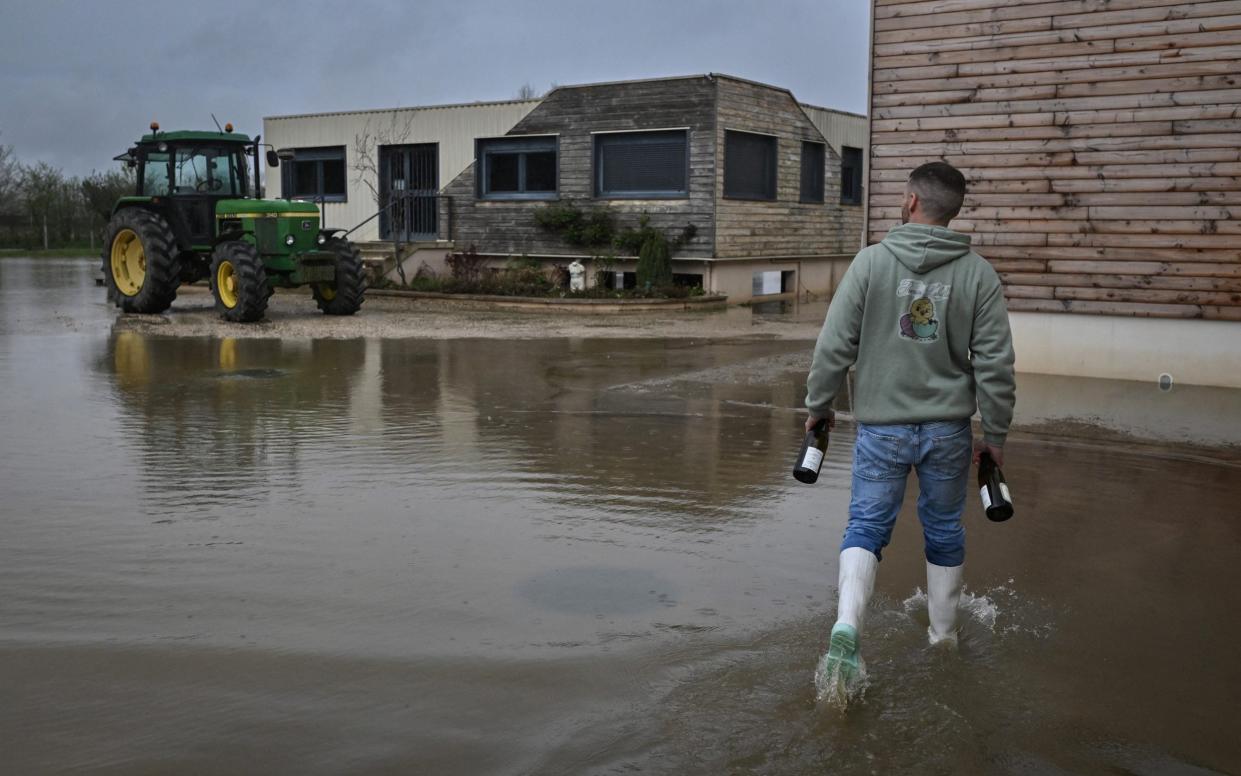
point(856, 583)
point(943, 595)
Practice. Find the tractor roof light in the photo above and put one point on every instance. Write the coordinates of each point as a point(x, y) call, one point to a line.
point(288, 239)
point(228, 126)
point(154, 126)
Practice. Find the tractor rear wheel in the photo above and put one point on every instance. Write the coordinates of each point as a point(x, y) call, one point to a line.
point(141, 267)
point(344, 297)
point(238, 282)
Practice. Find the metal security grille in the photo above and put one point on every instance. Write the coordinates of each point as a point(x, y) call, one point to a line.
point(812, 158)
point(408, 190)
point(749, 165)
point(641, 164)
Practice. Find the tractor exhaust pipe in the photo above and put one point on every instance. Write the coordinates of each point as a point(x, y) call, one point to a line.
point(258, 189)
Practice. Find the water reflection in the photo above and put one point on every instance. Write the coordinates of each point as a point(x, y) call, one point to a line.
point(585, 423)
point(225, 421)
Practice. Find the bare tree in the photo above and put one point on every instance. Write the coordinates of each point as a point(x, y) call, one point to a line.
point(100, 191)
point(527, 92)
point(41, 185)
point(10, 180)
point(366, 167)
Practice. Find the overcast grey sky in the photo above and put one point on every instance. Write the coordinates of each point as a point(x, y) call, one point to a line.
point(80, 80)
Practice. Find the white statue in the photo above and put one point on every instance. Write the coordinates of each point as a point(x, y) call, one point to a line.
point(577, 276)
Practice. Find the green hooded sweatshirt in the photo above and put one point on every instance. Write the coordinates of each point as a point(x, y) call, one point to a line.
point(923, 317)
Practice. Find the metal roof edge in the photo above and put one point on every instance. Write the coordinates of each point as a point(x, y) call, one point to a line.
point(812, 106)
point(396, 109)
point(624, 81)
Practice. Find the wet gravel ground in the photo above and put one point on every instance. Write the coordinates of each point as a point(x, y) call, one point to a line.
point(293, 314)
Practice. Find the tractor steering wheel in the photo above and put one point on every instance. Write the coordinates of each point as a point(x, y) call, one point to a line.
point(208, 184)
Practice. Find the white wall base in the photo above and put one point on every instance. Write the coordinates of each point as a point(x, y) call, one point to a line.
point(1194, 352)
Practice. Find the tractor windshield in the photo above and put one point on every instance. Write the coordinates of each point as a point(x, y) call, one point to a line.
point(210, 170)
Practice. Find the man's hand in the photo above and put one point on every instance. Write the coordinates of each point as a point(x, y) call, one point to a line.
point(813, 419)
point(997, 453)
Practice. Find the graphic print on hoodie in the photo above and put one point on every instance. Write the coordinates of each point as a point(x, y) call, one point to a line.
point(919, 323)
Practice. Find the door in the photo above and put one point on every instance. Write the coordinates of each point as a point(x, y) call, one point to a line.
point(409, 192)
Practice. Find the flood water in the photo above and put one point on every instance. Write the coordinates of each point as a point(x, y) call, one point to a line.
point(554, 556)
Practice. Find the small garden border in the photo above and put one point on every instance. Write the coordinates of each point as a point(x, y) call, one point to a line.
point(568, 304)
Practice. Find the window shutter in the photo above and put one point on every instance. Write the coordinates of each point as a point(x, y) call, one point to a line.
point(645, 162)
point(749, 165)
point(812, 162)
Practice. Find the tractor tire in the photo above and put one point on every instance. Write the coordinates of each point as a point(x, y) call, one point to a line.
point(239, 282)
point(141, 261)
point(345, 296)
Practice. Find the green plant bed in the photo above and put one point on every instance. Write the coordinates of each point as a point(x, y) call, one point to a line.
point(523, 276)
point(528, 288)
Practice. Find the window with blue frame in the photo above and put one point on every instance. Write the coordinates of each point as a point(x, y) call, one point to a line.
point(517, 168)
point(315, 173)
point(645, 165)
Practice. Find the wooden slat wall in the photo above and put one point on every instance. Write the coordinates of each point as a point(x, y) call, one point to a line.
point(1101, 140)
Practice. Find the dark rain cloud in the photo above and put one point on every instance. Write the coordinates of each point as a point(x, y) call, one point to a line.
point(80, 80)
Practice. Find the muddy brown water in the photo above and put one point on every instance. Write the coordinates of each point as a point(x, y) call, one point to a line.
point(552, 556)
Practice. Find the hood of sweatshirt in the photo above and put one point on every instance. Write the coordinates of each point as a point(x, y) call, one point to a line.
point(922, 247)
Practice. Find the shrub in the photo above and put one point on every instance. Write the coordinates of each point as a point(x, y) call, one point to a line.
point(654, 262)
point(467, 266)
point(593, 229)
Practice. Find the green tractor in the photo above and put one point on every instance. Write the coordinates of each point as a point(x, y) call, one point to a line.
point(192, 217)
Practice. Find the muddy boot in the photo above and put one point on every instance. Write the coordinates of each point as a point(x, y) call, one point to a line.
point(943, 594)
point(857, 581)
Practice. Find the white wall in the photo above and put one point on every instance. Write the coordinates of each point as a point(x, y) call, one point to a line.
point(1194, 352)
point(453, 127)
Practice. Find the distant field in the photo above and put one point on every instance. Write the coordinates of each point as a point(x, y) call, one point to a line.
point(52, 253)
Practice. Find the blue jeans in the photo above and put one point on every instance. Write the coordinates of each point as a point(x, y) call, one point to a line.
point(941, 453)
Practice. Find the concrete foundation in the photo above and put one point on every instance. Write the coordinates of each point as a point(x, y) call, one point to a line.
point(1193, 352)
point(804, 276)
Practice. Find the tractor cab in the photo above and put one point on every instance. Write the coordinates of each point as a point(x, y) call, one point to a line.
point(193, 171)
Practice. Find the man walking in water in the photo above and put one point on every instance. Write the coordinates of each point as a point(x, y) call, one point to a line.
point(923, 318)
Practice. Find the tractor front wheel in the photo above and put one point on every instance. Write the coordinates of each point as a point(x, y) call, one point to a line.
point(141, 268)
point(344, 297)
point(238, 282)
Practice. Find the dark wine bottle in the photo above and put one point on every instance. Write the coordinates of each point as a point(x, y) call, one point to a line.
point(810, 459)
point(996, 500)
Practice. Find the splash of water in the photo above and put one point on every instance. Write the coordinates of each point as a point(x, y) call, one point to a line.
point(979, 608)
point(833, 688)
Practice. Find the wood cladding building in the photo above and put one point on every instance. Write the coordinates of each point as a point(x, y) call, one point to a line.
point(1101, 140)
point(742, 162)
point(772, 187)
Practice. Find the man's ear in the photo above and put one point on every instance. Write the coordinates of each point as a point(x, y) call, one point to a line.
point(914, 202)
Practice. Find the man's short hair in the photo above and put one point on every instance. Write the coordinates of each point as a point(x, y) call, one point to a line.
point(941, 189)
